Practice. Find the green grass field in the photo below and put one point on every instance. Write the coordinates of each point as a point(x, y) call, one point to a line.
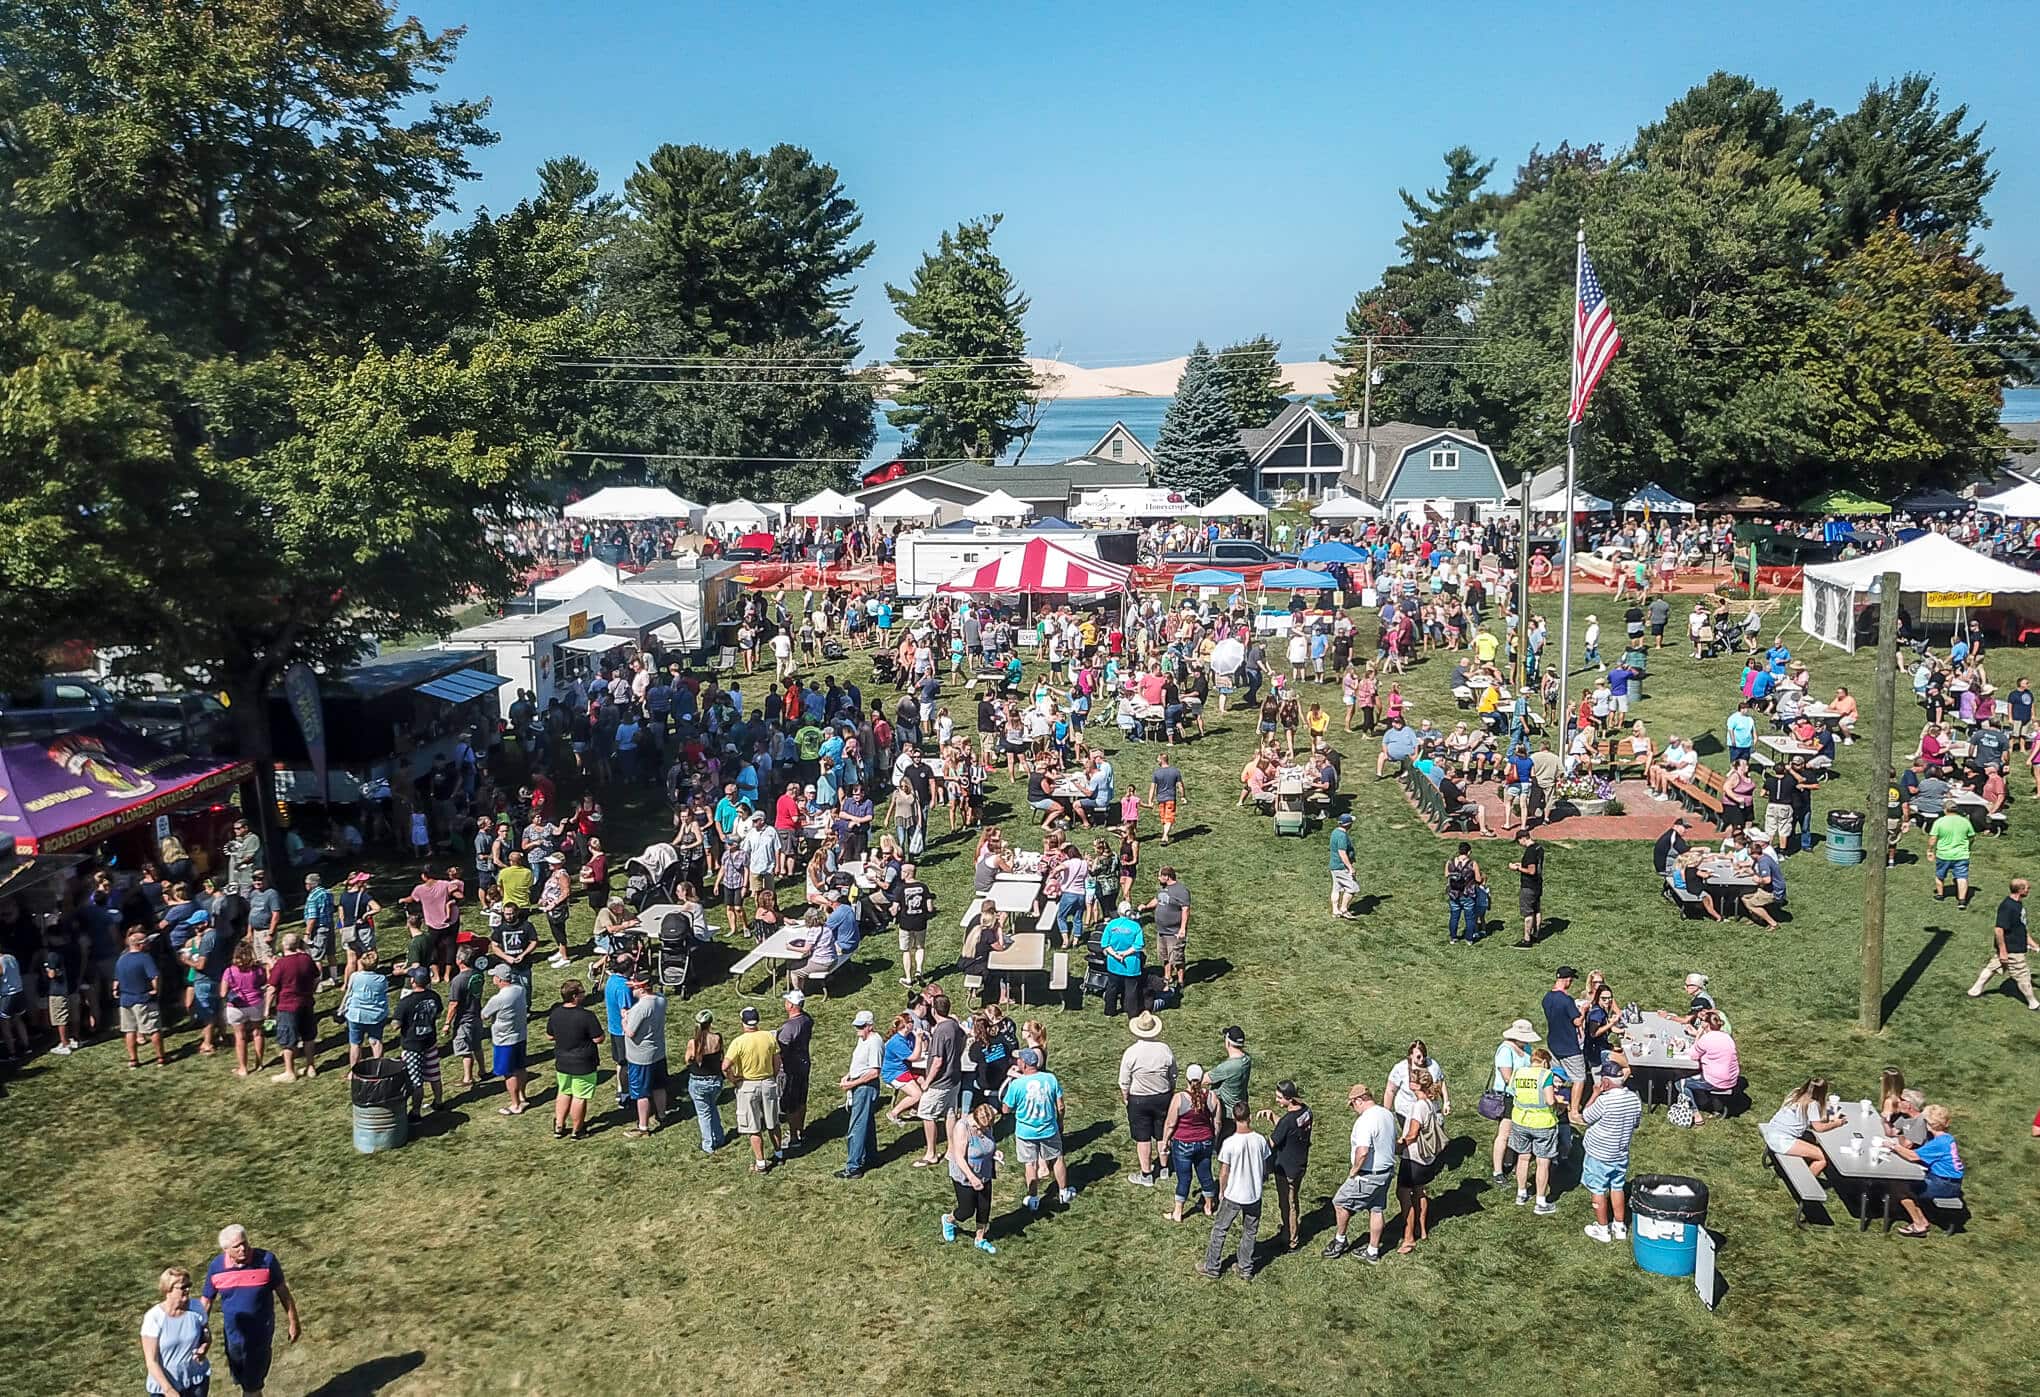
point(486, 1257)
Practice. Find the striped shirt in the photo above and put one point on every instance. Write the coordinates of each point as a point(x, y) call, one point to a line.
point(1611, 1119)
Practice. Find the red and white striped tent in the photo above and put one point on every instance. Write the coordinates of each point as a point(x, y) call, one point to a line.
point(1040, 566)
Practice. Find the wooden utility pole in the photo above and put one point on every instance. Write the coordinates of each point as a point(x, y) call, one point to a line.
point(1870, 997)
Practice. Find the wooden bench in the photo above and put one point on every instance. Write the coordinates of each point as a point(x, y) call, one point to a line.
point(1430, 803)
point(1614, 757)
point(1807, 1190)
point(1708, 790)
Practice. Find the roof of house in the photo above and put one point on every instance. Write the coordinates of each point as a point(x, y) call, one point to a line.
point(1147, 454)
point(2025, 437)
point(1053, 480)
point(1390, 439)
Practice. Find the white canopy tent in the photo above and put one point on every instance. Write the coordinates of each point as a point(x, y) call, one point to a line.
point(827, 504)
point(740, 514)
point(633, 502)
point(1235, 503)
point(905, 504)
point(2019, 502)
point(1583, 502)
point(1831, 593)
point(1346, 507)
point(997, 508)
point(576, 580)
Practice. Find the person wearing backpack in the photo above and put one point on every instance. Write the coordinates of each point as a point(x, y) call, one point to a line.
point(1463, 881)
point(1421, 1152)
point(418, 1037)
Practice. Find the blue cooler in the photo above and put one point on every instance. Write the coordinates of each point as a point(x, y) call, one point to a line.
point(1666, 1213)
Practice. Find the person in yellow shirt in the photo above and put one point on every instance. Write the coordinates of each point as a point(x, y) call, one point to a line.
point(1319, 723)
point(1485, 646)
point(751, 1064)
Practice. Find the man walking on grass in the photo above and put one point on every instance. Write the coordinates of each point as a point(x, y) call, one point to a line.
point(1370, 1171)
point(1034, 1099)
point(751, 1063)
point(1345, 885)
point(136, 977)
point(1166, 787)
point(1948, 840)
point(2009, 938)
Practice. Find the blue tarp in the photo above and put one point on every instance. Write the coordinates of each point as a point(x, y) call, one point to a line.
point(1296, 579)
point(1208, 577)
point(1333, 552)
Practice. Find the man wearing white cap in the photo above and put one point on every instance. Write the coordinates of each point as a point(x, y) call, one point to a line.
point(860, 1088)
point(795, 1037)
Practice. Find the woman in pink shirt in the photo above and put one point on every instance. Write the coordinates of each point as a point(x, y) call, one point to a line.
point(1720, 1065)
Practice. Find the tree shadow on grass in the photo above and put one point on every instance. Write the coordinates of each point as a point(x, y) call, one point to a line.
point(370, 1377)
point(1924, 957)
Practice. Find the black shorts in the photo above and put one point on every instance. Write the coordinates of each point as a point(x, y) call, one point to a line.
point(1528, 900)
point(1414, 1175)
point(793, 1092)
point(733, 897)
point(1147, 1115)
point(616, 1049)
point(294, 1028)
point(1657, 629)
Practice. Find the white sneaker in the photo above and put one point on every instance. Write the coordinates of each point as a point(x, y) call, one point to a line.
point(1522, 1196)
point(1596, 1231)
point(1618, 1232)
point(1545, 1208)
point(62, 1050)
point(1066, 1197)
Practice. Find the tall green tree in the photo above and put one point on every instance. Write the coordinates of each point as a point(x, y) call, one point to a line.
point(966, 383)
point(1198, 450)
point(1422, 309)
point(1898, 157)
point(228, 208)
point(739, 264)
point(1254, 382)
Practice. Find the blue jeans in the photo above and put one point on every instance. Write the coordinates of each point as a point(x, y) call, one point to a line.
point(704, 1091)
point(863, 1137)
point(1466, 905)
point(1069, 915)
point(1186, 1158)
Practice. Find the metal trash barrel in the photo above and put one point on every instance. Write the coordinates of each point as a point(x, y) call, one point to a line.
point(1845, 836)
point(1666, 1213)
point(379, 1090)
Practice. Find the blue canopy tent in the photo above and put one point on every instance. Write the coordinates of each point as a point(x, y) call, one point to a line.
point(1332, 551)
point(1207, 577)
point(1296, 580)
point(1657, 499)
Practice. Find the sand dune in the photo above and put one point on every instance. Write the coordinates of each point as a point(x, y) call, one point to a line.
point(1157, 380)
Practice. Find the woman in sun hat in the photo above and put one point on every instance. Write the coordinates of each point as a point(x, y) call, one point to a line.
point(1511, 1057)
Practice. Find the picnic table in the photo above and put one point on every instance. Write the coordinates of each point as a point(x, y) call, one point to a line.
point(788, 944)
point(1013, 898)
point(1724, 877)
point(1850, 1157)
point(1026, 953)
point(1660, 1047)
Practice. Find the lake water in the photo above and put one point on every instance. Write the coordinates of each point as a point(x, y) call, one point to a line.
point(1072, 426)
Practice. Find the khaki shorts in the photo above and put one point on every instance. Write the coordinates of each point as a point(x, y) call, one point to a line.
point(1760, 898)
point(140, 1018)
point(757, 1107)
point(59, 1007)
point(1172, 951)
point(913, 940)
point(936, 1103)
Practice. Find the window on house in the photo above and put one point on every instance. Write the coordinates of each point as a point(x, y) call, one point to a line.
point(1118, 448)
point(1445, 458)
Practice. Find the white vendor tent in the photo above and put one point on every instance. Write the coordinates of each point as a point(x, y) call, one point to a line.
point(827, 504)
point(1346, 507)
point(2020, 502)
point(1234, 504)
point(740, 514)
point(1831, 593)
point(997, 508)
point(1583, 502)
point(631, 502)
point(906, 504)
point(576, 580)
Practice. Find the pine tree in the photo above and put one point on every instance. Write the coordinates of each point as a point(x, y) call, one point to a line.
point(1252, 370)
point(964, 344)
point(1198, 451)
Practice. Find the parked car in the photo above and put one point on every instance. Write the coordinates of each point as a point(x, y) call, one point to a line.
point(1233, 552)
point(189, 722)
point(55, 704)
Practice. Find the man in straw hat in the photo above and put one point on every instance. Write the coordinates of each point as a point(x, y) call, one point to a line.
point(1147, 1082)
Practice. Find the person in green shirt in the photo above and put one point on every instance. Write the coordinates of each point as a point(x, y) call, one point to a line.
point(1948, 840)
point(1344, 884)
point(1228, 1079)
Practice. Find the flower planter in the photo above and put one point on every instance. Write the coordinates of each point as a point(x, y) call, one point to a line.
point(1567, 806)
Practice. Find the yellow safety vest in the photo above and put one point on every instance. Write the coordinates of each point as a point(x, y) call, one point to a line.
point(1530, 1110)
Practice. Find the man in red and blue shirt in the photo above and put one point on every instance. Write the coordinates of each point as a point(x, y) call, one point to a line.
point(243, 1285)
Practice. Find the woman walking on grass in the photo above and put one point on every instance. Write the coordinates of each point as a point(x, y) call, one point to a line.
point(1188, 1136)
point(241, 988)
point(973, 1160)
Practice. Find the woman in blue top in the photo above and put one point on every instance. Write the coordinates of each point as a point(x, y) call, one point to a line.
point(174, 1339)
point(1943, 1163)
point(366, 1009)
point(896, 1069)
point(972, 1163)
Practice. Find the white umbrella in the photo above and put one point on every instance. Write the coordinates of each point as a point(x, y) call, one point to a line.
point(1346, 507)
point(629, 502)
point(1234, 504)
point(905, 504)
point(827, 504)
point(576, 580)
point(1227, 656)
point(997, 508)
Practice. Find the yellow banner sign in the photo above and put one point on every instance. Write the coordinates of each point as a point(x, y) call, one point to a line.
point(577, 625)
point(1952, 601)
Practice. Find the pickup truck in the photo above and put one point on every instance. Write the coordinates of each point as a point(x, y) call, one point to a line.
point(1233, 552)
point(54, 704)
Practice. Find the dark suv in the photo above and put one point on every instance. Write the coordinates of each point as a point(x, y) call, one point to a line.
point(55, 704)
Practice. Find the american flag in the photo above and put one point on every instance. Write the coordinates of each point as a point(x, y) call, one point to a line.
point(1594, 339)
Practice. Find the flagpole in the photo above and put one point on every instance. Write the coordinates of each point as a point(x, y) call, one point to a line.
point(1565, 546)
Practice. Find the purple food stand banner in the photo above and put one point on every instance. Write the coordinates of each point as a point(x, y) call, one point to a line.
point(74, 790)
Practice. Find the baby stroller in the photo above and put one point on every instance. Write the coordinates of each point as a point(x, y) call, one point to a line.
point(832, 649)
point(651, 876)
point(679, 938)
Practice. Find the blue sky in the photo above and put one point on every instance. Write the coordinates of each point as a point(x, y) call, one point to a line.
point(1178, 171)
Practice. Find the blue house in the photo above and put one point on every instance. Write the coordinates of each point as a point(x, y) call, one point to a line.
point(1443, 465)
